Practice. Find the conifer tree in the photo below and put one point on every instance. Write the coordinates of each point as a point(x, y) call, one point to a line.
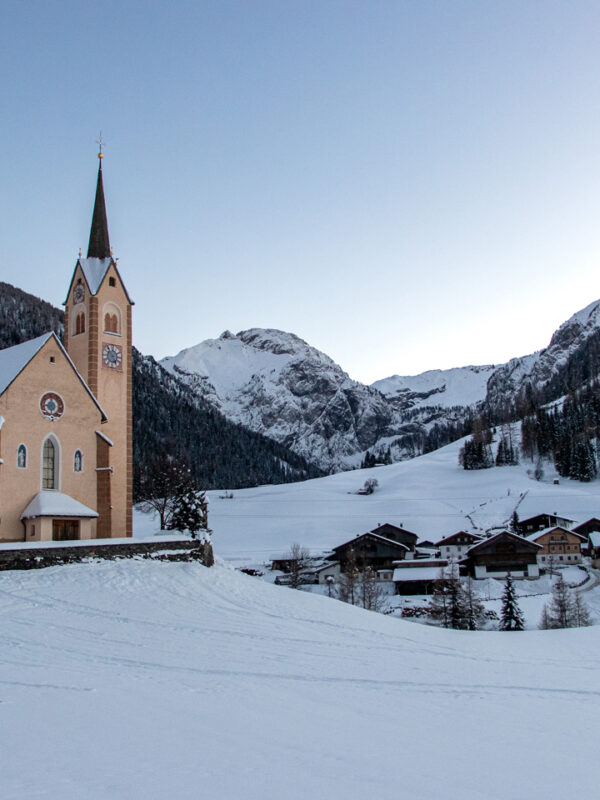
point(511, 616)
point(561, 612)
point(190, 510)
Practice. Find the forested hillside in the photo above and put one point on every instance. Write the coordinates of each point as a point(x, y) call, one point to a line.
point(167, 418)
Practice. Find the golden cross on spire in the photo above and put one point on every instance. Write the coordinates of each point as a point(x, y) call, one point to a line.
point(100, 142)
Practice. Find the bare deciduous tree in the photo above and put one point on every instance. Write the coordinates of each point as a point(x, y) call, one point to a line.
point(348, 588)
point(298, 557)
point(371, 593)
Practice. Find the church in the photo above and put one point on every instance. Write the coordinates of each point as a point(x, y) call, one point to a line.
point(66, 460)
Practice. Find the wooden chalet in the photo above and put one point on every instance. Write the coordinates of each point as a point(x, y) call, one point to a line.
point(559, 546)
point(587, 527)
point(398, 534)
point(503, 553)
point(457, 544)
point(542, 521)
point(369, 550)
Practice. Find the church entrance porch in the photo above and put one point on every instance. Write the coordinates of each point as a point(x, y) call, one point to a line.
point(64, 530)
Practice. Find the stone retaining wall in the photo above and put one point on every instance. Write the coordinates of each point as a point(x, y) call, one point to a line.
point(38, 558)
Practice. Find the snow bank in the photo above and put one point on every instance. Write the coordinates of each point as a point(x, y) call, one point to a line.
point(124, 679)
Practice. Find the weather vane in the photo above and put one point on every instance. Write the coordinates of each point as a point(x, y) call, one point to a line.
point(100, 142)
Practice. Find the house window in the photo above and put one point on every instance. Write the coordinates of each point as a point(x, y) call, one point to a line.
point(112, 282)
point(33, 530)
point(78, 461)
point(49, 464)
point(22, 457)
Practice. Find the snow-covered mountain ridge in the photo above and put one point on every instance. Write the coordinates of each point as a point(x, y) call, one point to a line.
point(275, 383)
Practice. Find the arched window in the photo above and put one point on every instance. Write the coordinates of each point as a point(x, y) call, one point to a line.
point(78, 461)
point(50, 463)
point(22, 457)
point(112, 318)
point(78, 323)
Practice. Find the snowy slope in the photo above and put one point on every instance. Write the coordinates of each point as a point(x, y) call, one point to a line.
point(137, 679)
point(430, 495)
point(460, 386)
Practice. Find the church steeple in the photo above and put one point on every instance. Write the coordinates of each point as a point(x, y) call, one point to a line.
point(99, 246)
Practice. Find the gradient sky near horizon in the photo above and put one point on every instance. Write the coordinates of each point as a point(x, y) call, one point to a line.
point(406, 185)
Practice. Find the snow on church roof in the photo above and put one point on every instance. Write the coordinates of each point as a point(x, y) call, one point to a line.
point(50, 503)
point(94, 270)
point(14, 359)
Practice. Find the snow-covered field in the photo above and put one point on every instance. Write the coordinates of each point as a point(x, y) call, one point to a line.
point(142, 679)
point(429, 495)
point(139, 679)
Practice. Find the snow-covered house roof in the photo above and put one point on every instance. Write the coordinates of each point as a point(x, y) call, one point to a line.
point(451, 538)
point(417, 574)
point(49, 503)
point(502, 533)
point(13, 361)
point(595, 538)
point(373, 536)
point(533, 537)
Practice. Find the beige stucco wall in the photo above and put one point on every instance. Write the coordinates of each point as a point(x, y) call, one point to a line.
point(39, 529)
point(24, 423)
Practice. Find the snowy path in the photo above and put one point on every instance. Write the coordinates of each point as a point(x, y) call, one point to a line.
point(137, 679)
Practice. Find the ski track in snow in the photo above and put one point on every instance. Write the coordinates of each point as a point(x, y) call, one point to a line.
point(135, 678)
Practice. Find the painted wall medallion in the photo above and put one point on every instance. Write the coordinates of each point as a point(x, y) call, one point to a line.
point(112, 356)
point(79, 293)
point(52, 406)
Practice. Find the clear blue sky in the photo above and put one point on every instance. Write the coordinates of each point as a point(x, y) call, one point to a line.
point(405, 185)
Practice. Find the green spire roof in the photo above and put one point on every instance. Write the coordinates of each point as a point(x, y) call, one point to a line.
point(99, 246)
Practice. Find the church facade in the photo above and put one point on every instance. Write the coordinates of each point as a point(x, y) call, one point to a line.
point(66, 461)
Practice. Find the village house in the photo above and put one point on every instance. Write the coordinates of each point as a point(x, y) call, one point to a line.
point(66, 462)
point(559, 546)
point(369, 550)
point(587, 527)
point(542, 521)
point(398, 534)
point(457, 544)
point(594, 548)
point(500, 554)
point(418, 577)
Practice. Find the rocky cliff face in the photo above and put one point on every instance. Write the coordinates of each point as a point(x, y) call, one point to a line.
point(571, 358)
point(275, 383)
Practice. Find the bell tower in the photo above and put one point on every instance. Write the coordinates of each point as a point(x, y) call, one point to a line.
point(98, 340)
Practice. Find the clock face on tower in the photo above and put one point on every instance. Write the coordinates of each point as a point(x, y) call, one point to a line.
point(79, 293)
point(112, 356)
